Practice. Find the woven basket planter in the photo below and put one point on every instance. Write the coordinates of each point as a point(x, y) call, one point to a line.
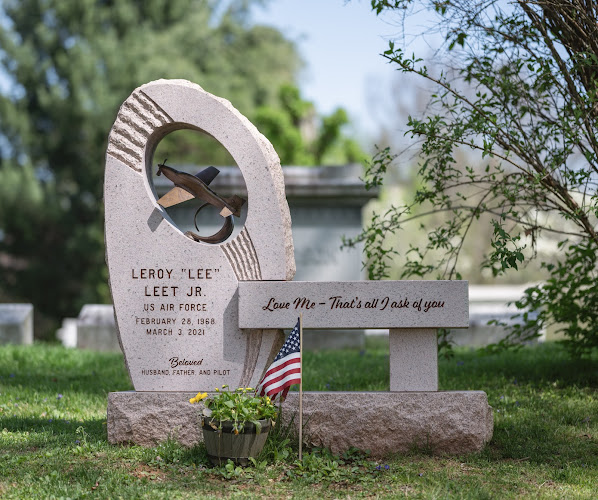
point(223, 444)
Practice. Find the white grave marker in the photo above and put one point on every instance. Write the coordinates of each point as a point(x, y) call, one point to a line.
point(96, 328)
point(16, 324)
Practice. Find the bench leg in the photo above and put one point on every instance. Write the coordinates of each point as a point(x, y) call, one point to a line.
point(413, 359)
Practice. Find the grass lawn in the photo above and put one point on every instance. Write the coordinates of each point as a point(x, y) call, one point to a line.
point(545, 445)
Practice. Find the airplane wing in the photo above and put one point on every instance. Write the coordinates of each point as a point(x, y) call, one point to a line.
point(178, 195)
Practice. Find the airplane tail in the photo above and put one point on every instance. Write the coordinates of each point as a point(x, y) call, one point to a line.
point(208, 174)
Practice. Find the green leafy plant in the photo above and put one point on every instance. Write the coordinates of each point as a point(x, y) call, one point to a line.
point(231, 471)
point(239, 407)
point(516, 90)
point(321, 465)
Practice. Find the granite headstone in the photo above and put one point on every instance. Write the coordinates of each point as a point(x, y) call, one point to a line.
point(96, 328)
point(16, 324)
point(175, 298)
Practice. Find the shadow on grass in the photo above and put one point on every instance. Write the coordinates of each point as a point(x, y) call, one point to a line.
point(31, 434)
point(53, 369)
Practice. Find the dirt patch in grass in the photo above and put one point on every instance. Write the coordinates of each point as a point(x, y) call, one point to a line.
point(143, 471)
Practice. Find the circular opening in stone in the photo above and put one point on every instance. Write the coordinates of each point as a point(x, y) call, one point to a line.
point(191, 152)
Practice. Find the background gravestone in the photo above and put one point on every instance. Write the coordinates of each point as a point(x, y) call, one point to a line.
point(325, 203)
point(96, 328)
point(16, 324)
point(491, 302)
point(67, 333)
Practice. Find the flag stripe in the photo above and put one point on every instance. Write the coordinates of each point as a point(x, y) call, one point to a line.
point(286, 368)
point(295, 359)
point(277, 387)
point(274, 381)
point(282, 361)
point(289, 380)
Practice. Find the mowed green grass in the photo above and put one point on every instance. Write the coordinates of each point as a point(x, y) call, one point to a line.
point(53, 434)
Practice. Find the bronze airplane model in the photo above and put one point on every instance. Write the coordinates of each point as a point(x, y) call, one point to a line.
point(187, 186)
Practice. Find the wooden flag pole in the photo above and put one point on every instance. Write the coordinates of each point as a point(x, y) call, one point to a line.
point(301, 386)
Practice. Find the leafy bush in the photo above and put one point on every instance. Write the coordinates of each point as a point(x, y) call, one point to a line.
point(516, 87)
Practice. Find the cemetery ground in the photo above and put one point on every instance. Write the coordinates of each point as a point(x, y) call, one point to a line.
point(53, 440)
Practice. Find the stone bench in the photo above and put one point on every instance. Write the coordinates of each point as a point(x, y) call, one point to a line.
point(411, 310)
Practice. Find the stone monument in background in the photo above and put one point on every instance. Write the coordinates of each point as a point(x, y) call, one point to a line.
point(16, 324)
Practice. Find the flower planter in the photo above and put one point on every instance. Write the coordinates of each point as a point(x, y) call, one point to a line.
point(223, 444)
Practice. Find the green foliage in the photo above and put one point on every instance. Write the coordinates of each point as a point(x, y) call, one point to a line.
point(231, 471)
point(239, 407)
point(69, 66)
point(280, 442)
point(319, 465)
point(523, 99)
point(300, 137)
point(505, 251)
point(569, 293)
point(282, 124)
point(376, 168)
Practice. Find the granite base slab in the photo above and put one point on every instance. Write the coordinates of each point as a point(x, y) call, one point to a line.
point(452, 422)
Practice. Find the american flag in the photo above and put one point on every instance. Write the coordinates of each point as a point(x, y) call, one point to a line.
point(285, 370)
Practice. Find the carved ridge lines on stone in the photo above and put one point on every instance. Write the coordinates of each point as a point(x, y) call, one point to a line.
point(237, 255)
point(252, 352)
point(124, 143)
point(137, 114)
point(232, 261)
point(144, 112)
point(251, 255)
point(124, 131)
point(121, 144)
point(129, 118)
point(154, 106)
point(243, 252)
point(122, 157)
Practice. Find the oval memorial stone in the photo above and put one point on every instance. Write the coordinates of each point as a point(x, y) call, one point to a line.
point(175, 299)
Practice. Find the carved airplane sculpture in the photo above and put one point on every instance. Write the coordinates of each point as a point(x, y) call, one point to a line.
point(187, 186)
